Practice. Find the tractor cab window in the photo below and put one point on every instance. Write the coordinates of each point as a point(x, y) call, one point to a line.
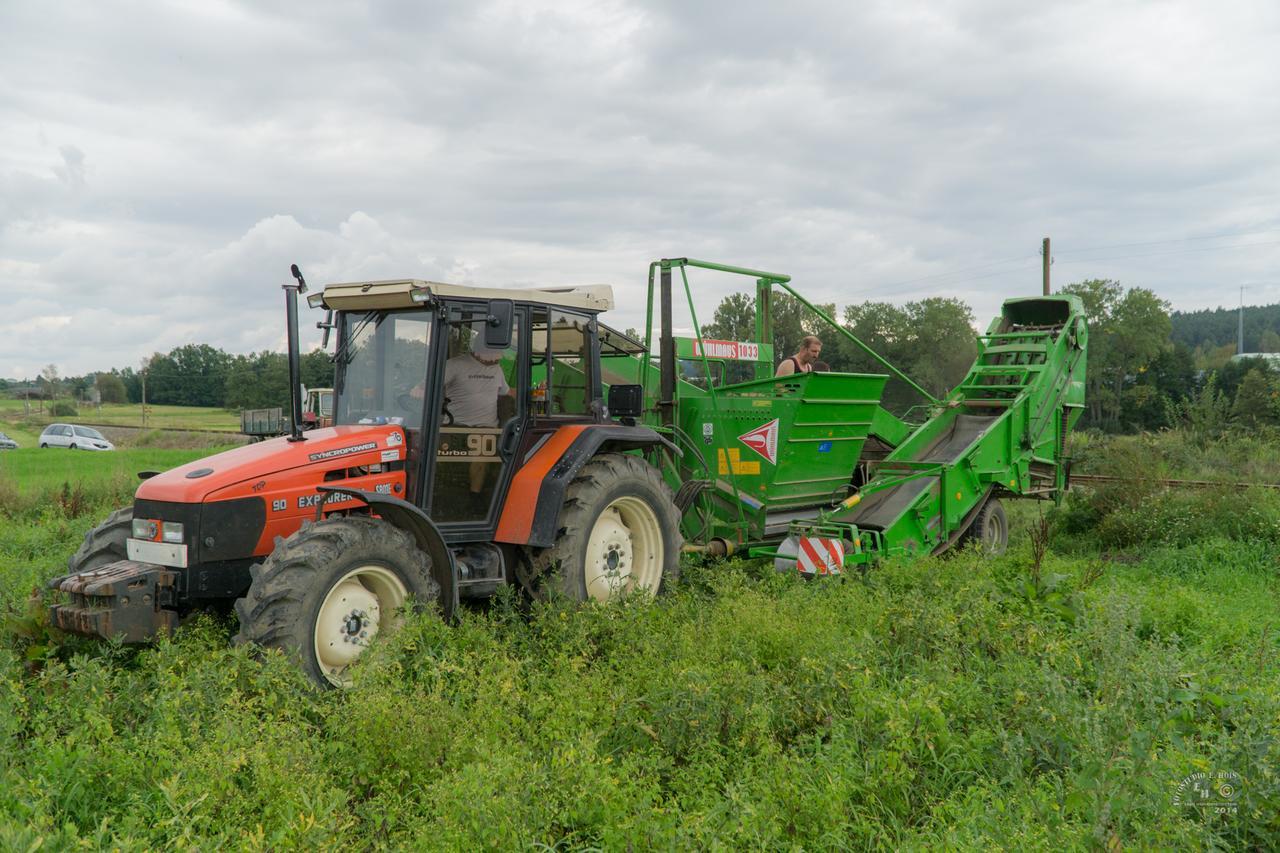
point(619, 364)
point(563, 379)
point(723, 372)
point(477, 408)
point(382, 367)
point(693, 371)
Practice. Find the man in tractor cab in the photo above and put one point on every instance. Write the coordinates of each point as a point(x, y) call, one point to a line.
point(804, 359)
point(475, 387)
point(473, 384)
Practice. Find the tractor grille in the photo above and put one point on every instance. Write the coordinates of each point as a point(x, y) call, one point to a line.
point(215, 531)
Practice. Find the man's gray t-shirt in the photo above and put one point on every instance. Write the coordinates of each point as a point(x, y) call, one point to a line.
point(473, 389)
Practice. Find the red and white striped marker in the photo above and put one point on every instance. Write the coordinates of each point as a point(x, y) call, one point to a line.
point(819, 556)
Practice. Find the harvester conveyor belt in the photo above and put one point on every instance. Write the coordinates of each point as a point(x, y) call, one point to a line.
point(882, 508)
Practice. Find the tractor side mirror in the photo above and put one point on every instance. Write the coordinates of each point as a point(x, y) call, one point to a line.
point(626, 401)
point(497, 327)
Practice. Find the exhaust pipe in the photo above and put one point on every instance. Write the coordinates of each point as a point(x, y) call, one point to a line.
point(291, 291)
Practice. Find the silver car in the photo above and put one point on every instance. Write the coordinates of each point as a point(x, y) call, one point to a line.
point(74, 437)
point(7, 443)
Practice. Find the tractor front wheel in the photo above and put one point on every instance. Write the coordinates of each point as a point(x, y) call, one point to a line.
point(105, 543)
point(619, 532)
point(325, 593)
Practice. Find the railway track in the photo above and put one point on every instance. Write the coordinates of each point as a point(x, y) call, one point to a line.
point(1102, 479)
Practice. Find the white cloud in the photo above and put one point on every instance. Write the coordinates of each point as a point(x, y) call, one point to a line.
point(162, 165)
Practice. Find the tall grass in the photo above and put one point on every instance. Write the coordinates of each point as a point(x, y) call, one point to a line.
point(1038, 702)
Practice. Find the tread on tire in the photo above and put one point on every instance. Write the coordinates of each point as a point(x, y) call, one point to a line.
point(105, 543)
point(289, 588)
point(602, 482)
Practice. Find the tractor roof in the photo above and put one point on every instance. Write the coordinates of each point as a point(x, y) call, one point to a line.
point(367, 295)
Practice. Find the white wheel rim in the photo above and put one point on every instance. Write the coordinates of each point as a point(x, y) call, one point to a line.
point(995, 533)
point(350, 616)
point(624, 551)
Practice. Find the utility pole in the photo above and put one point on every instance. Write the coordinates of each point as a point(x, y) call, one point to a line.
point(143, 368)
point(1240, 340)
point(1046, 260)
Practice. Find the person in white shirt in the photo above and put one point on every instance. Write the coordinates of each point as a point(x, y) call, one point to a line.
point(473, 382)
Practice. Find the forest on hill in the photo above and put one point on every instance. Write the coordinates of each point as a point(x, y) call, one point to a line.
point(1212, 328)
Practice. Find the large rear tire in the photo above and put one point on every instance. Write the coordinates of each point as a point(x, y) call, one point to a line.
point(619, 532)
point(990, 529)
point(105, 543)
point(326, 592)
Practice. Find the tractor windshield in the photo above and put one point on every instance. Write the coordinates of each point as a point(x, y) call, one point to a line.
point(382, 367)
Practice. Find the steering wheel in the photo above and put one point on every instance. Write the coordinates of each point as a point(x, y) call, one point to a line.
point(409, 403)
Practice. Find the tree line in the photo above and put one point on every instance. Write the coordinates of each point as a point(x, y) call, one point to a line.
point(191, 375)
point(1148, 369)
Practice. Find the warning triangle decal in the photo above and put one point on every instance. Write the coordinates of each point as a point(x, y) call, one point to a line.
point(763, 440)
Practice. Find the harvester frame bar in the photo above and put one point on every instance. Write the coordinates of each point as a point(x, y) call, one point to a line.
point(858, 342)
point(723, 464)
point(715, 404)
point(783, 281)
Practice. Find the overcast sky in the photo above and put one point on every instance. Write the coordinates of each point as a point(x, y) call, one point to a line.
point(162, 164)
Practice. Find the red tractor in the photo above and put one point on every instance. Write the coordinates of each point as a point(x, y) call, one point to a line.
point(471, 447)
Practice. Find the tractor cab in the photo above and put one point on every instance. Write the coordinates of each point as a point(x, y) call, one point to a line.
point(317, 409)
point(475, 376)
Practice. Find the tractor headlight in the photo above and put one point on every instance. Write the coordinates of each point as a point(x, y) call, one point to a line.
point(172, 532)
point(145, 528)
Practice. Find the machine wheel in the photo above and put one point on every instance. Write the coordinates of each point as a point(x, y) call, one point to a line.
point(619, 531)
point(104, 543)
point(990, 529)
point(324, 593)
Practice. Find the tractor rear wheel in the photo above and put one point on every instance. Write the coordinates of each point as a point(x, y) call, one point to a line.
point(990, 529)
point(327, 591)
point(619, 531)
point(105, 543)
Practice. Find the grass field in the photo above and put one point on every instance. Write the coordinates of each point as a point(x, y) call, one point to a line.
point(32, 470)
point(1059, 703)
point(130, 414)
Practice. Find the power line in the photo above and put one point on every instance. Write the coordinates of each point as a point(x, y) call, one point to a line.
point(1029, 257)
point(1174, 240)
point(1026, 259)
point(1171, 252)
point(1022, 258)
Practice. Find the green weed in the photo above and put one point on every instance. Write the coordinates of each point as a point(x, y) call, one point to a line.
point(936, 703)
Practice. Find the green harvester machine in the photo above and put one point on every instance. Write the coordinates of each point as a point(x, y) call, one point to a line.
point(811, 470)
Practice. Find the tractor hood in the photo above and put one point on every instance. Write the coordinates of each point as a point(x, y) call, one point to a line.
point(258, 468)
